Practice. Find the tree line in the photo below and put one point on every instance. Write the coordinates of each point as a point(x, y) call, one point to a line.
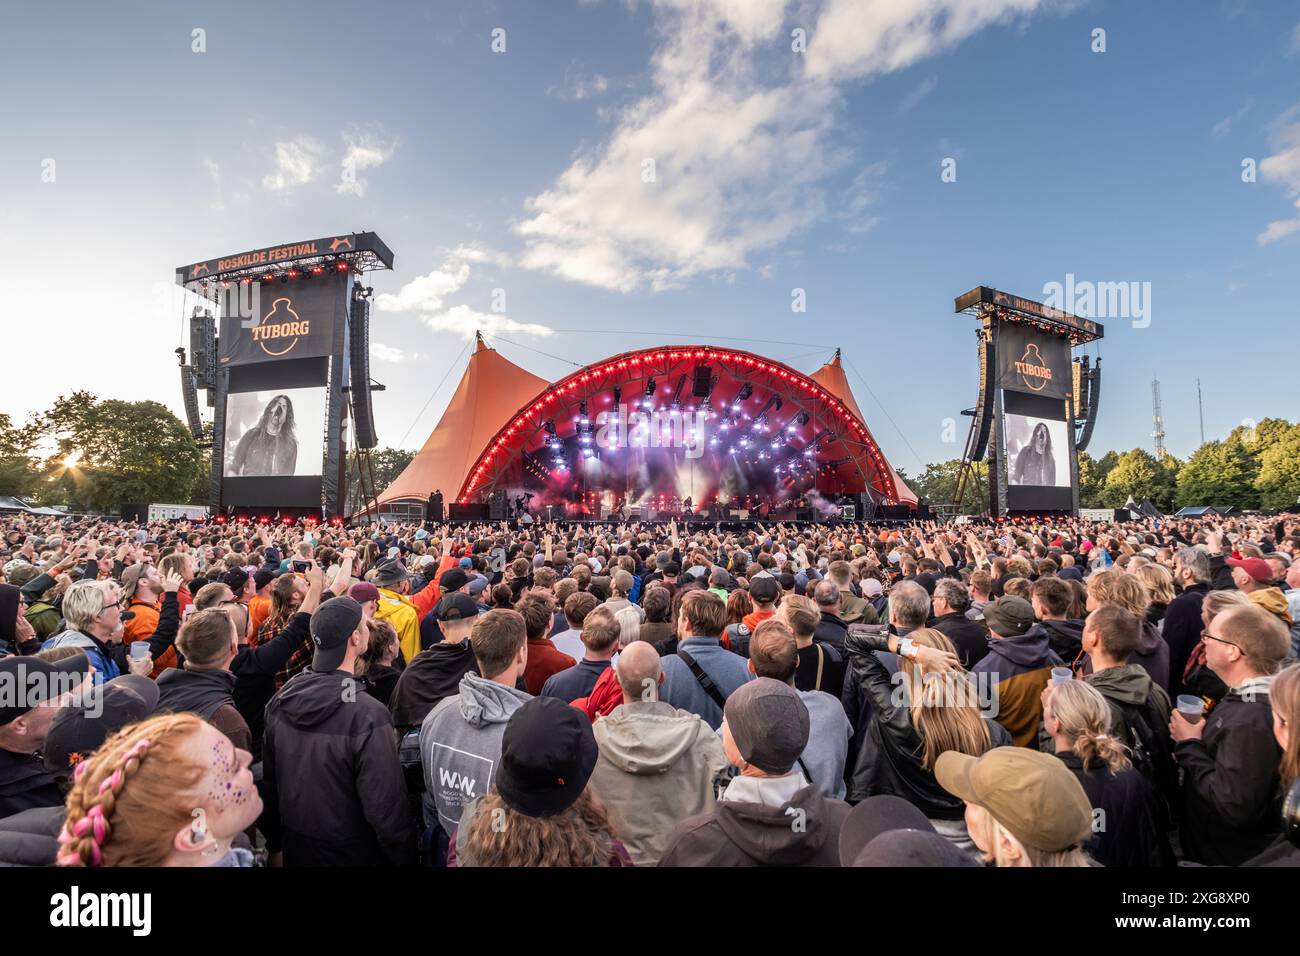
point(92, 454)
point(1257, 466)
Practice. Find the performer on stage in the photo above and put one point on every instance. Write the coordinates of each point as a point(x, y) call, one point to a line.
point(433, 512)
point(688, 506)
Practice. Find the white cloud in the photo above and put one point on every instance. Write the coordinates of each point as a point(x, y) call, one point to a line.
point(364, 150)
point(741, 142)
point(464, 322)
point(855, 39)
point(1294, 48)
point(297, 162)
point(387, 353)
point(1224, 126)
point(426, 293)
point(1283, 168)
point(924, 89)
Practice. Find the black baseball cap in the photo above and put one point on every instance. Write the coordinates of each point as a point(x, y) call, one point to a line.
point(264, 576)
point(548, 752)
point(764, 587)
point(236, 579)
point(453, 580)
point(27, 682)
point(331, 625)
point(79, 729)
point(457, 606)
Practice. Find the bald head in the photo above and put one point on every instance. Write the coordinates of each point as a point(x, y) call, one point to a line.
point(639, 672)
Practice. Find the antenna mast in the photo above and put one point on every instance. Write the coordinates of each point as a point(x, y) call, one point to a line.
point(1157, 417)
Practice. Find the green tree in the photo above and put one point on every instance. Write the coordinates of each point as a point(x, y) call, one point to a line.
point(18, 469)
point(388, 464)
point(1218, 473)
point(1092, 477)
point(1278, 479)
point(1138, 474)
point(111, 452)
point(938, 485)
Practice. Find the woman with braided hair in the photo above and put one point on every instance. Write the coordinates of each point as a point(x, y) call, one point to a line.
point(1126, 831)
point(169, 791)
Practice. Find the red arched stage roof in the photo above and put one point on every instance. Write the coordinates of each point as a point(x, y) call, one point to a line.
point(765, 430)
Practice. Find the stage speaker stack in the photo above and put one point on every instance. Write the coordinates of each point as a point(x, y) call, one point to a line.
point(703, 383)
point(497, 506)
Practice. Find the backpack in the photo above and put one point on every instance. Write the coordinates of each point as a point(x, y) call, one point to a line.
point(408, 754)
point(1152, 754)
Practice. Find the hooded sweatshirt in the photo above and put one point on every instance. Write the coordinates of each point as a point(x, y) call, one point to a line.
point(1152, 655)
point(745, 833)
point(1064, 637)
point(1131, 686)
point(460, 744)
point(656, 767)
point(1022, 666)
point(432, 676)
point(332, 783)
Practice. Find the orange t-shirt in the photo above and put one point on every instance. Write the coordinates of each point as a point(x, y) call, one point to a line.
point(755, 618)
point(145, 622)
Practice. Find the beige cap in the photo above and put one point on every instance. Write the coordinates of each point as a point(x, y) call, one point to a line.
point(1034, 795)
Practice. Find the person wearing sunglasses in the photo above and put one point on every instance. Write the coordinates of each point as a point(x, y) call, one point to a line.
point(93, 610)
point(1229, 758)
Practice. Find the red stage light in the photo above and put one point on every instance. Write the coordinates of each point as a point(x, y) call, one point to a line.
point(293, 273)
point(343, 267)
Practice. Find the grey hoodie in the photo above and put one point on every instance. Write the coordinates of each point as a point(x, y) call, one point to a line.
point(460, 744)
point(656, 767)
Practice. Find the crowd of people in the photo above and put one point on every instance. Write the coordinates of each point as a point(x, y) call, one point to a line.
point(1054, 692)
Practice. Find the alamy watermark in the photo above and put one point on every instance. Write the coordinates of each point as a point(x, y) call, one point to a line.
point(659, 428)
point(22, 687)
point(1101, 300)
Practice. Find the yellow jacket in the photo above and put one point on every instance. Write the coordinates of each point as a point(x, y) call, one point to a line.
point(398, 610)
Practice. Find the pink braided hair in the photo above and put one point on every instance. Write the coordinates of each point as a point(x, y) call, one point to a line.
point(94, 824)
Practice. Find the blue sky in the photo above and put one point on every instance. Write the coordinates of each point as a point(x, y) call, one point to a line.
point(774, 171)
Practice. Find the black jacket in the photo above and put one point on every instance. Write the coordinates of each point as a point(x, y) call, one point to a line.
point(888, 747)
point(25, 783)
point(199, 692)
point(1230, 781)
point(1182, 629)
point(332, 785)
point(831, 630)
point(426, 680)
point(1125, 831)
point(971, 638)
point(255, 669)
point(31, 838)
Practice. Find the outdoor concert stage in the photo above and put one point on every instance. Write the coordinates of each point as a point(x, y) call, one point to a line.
point(651, 434)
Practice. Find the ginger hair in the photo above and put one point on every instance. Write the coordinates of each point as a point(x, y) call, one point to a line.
point(128, 801)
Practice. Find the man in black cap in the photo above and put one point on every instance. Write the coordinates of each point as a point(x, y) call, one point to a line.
point(332, 783)
point(770, 815)
point(451, 581)
point(31, 692)
point(436, 672)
